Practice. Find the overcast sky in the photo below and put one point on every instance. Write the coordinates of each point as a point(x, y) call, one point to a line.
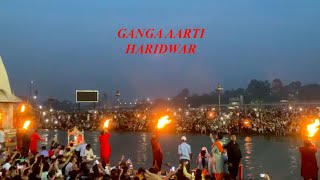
point(64, 45)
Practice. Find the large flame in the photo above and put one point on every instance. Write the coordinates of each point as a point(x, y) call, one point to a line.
point(26, 124)
point(23, 108)
point(106, 123)
point(162, 122)
point(313, 128)
point(247, 123)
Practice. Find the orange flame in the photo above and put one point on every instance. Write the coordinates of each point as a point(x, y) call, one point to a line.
point(313, 128)
point(246, 121)
point(211, 115)
point(106, 123)
point(162, 122)
point(26, 124)
point(23, 108)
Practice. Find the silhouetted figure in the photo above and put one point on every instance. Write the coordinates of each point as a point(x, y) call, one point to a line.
point(234, 157)
point(309, 167)
point(156, 152)
point(25, 142)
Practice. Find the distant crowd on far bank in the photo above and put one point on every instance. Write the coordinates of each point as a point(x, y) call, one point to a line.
point(266, 121)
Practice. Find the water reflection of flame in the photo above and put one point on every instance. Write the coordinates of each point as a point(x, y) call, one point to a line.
point(248, 160)
point(142, 149)
point(292, 152)
point(95, 144)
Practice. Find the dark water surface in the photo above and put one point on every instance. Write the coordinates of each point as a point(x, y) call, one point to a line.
point(278, 156)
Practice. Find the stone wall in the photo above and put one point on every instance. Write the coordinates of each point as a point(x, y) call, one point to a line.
point(6, 110)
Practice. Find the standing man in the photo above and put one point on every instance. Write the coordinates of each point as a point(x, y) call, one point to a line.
point(105, 149)
point(34, 138)
point(234, 157)
point(25, 142)
point(309, 166)
point(54, 142)
point(2, 139)
point(156, 152)
point(81, 149)
point(184, 151)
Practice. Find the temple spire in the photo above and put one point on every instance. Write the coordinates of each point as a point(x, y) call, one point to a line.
point(6, 94)
point(4, 80)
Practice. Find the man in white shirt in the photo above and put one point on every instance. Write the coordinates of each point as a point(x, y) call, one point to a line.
point(82, 149)
point(89, 156)
point(184, 151)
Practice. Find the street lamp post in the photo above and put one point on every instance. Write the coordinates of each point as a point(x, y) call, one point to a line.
point(219, 89)
point(30, 91)
point(118, 98)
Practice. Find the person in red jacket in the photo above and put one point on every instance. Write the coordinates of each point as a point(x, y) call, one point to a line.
point(105, 149)
point(309, 167)
point(34, 138)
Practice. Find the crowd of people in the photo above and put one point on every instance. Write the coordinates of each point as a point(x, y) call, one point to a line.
point(275, 121)
point(222, 163)
point(78, 161)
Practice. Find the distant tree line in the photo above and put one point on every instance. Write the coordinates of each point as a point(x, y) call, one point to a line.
point(257, 91)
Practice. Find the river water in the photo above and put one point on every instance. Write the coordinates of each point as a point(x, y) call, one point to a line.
point(278, 156)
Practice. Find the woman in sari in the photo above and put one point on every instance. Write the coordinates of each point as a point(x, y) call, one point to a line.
point(216, 164)
point(203, 159)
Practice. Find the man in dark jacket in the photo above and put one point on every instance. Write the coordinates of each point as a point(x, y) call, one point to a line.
point(309, 166)
point(234, 157)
